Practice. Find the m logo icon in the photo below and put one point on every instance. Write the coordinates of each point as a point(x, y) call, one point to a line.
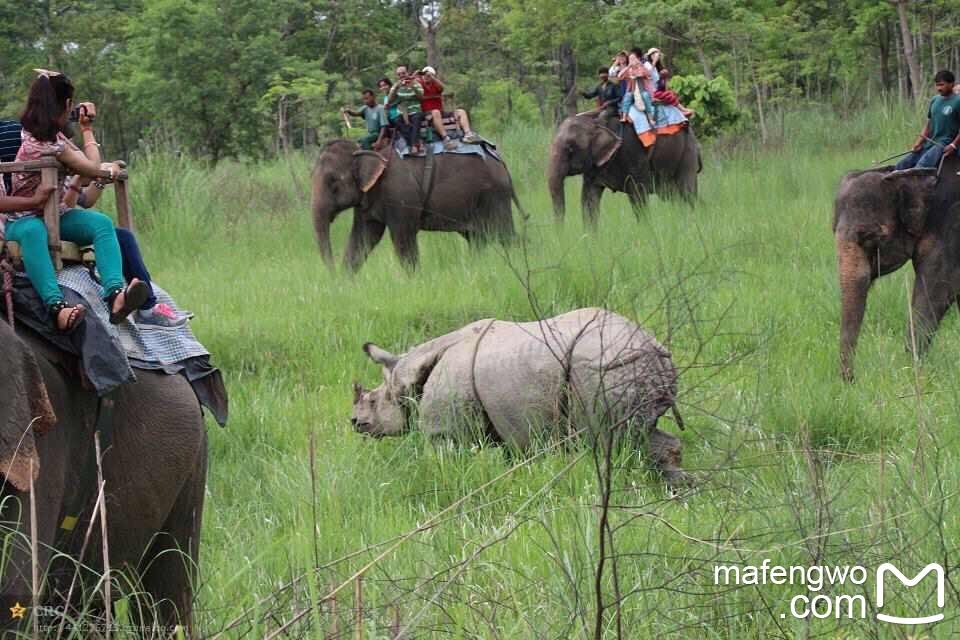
point(887, 567)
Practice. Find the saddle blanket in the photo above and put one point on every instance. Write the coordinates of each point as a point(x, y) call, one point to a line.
point(109, 353)
point(483, 148)
point(667, 119)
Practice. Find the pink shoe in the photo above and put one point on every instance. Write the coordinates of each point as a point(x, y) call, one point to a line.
point(165, 310)
point(161, 315)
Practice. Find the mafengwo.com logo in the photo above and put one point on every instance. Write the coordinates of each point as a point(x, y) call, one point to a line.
point(820, 605)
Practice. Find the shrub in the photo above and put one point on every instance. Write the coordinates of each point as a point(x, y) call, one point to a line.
point(713, 100)
point(503, 102)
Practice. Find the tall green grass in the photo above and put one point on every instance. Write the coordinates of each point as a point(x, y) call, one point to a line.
point(795, 465)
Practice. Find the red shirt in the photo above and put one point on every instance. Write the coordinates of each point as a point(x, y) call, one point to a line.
point(432, 96)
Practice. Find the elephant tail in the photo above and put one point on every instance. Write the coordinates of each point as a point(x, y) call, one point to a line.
point(516, 201)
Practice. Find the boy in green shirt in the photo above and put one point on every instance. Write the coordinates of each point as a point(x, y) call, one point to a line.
point(941, 135)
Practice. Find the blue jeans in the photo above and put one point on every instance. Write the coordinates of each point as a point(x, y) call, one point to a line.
point(927, 158)
point(626, 102)
point(133, 266)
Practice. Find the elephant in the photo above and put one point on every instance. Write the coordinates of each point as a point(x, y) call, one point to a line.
point(523, 380)
point(883, 218)
point(154, 468)
point(609, 156)
point(467, 193)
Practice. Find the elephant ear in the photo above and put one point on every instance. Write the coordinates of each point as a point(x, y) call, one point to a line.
point(604, 145)
point(368, 166)
point(26, 411)
point(913, 194)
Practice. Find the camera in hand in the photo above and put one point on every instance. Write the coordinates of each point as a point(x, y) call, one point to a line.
point(75, 113)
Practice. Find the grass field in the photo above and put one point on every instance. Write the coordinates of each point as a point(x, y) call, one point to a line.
point(794, 465)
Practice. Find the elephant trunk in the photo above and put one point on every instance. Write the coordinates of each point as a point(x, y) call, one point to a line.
point(855, 279)
point(557, 174)
point(322, 216)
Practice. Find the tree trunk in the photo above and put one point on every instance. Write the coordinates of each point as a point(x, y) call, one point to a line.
point(883, 39)
point(567, 70)
point(428, 31)
point(916, 79)
point(704, 61)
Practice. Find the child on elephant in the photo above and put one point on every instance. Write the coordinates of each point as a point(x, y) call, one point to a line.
point(662, 94)
point(44, 119)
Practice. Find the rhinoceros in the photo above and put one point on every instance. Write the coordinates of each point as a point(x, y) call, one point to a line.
point(525, 380)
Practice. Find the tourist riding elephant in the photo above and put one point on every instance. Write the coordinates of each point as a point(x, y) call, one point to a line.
point(883, 218)
point(154, 469)
point(609, 156)
point(469, 194)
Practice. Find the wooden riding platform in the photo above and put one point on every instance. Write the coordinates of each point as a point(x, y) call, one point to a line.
point(61, 251)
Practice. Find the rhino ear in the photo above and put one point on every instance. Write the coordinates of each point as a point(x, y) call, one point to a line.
point(381, 356)
point(357, 392)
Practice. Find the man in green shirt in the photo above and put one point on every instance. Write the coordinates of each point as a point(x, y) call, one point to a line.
point(375, 117)
point(941, 135)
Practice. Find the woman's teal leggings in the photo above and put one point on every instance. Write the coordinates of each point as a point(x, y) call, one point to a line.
point(82, 226)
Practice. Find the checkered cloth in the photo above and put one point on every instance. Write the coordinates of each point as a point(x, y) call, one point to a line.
point(146, 343)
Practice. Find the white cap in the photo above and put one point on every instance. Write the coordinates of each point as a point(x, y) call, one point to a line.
point(429, 69)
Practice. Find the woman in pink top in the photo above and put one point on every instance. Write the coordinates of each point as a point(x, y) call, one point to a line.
point(44, 120)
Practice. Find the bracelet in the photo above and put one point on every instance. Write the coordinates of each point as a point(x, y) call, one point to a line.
point(92, 143)
point(99, 185)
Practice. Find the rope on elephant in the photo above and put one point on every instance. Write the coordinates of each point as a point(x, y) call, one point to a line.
point(7, 269)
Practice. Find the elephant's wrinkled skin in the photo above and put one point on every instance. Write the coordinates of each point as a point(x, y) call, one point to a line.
point(519, 382)
point(154, 473)
point(609, 156)
point(882, 219)
point(470, 195)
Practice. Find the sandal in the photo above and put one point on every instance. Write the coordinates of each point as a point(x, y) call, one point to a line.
point(73, 319)
point(134, 296)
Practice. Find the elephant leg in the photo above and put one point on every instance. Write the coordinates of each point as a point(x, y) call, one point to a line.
point(169, 567)
point(364, 236)
point(500, 219)
point(664, 451)
point(638, 196)
point(404, 238)
point(590, 202)
point(932, 296)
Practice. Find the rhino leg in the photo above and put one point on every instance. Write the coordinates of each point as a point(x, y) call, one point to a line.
point(664, 451)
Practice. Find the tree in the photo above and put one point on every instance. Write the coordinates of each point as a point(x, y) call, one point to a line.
point(916, 79)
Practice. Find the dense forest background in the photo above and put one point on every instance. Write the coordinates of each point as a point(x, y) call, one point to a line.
point(222, 78)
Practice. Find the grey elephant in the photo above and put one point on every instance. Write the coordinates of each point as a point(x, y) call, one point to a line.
point(518, 383)
point(469, 194)
point(884, 218)
point(609, 156)
point(154, 472)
